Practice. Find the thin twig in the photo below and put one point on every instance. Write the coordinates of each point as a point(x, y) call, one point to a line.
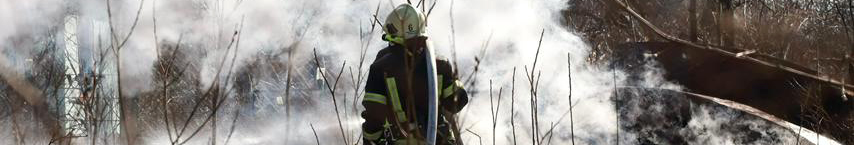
point(495, 111)
point(234, 38)
point(233, 126)
point(550, 134)
point(125, 127)
point(471, 79)
point(332, 91)
point(218, 104)
point(480, 140)
point(162, 67)
point(569, 70)
point(512, 106)
point(616, 103)
point(453, 35)
point(533, 80)
point(316, 139)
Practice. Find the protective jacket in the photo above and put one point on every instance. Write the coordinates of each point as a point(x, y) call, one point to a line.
point(395, 97)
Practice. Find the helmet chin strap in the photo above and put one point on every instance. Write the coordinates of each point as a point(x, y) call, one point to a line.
point(394, 39)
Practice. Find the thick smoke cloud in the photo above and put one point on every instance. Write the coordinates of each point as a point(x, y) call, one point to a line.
point(24, 25)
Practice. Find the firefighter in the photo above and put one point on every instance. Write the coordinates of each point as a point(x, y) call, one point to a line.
point(395, 97)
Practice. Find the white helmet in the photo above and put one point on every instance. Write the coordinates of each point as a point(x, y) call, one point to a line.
point(404, 22)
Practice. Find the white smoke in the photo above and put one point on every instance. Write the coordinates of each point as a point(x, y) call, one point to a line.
point(24, 25)
point(511, 27)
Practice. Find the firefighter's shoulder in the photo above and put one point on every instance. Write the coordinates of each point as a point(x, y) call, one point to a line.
point(385, 59)
point(383, 52)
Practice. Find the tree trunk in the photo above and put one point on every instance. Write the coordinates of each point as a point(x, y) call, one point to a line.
point(725, 23)
point(692, 20)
